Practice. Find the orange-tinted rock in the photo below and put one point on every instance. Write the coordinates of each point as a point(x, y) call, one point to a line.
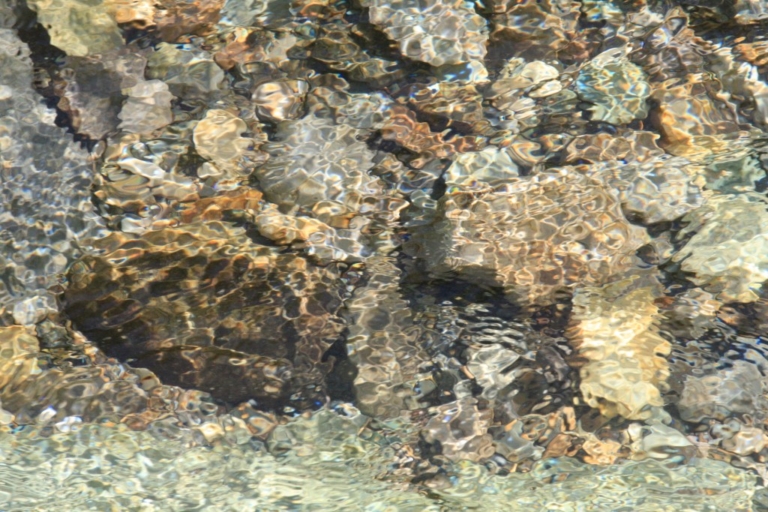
point(406, 130)
point(177, 18)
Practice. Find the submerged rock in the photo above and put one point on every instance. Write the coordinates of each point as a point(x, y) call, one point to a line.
point(191, 73)
point(92, 90)
point(435, 32)
point(337, 46)
point(726, 254)
point(404, 128)
point(323, 169)
point(79, 28)
point(384, 343)
point(54, 378)
point(205, 307)
point(134, 191)
point(541, 29)
point(218, 138)
point(148, 107)
point(461, 428)
point(478, 169)
point(280, 101)
point(46, 213)
point(315, 161)
point(176, 18)
point(18, 361)
point(330, 98)
point(452, 103)
point(615, 87)
point(533, 236)
point(692, 120)
point(615, 330)
point(734, 390)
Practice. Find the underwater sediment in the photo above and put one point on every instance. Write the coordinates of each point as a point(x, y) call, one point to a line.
point(427, 255)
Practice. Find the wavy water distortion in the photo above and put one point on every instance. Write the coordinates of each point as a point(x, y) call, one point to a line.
point(414, 255)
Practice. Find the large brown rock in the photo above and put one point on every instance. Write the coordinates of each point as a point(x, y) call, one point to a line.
point(204, 307)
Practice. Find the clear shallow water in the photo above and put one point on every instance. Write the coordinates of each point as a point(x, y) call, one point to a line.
point(382, 255)
point(101, 467)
